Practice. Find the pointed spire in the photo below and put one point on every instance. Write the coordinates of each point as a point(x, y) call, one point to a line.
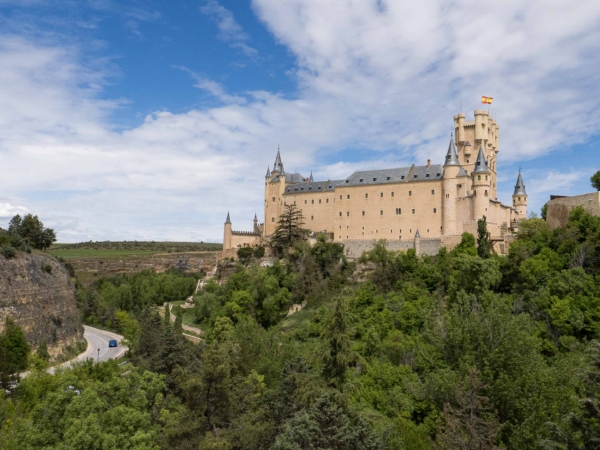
point(228, 219)
point(278, 166)
point(451, 156)
point(311, 177)
point(520, 186)
point(255, 218)
point(481, 164)
point(417, 235)
point(268, 175)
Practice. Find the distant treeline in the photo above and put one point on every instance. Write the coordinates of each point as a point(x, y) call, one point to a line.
point(142, 245)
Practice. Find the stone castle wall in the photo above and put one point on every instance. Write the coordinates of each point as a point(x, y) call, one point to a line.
point(558, 211)
point(353, 249)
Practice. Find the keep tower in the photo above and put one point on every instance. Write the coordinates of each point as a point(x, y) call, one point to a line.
point(481, 181)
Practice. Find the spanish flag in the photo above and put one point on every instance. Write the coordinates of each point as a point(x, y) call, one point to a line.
point(486, 100)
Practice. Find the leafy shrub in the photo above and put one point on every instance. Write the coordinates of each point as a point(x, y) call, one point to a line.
point(8, 251)
point(47, 268)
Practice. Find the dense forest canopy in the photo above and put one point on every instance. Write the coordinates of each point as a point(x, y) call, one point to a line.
point(464, 349)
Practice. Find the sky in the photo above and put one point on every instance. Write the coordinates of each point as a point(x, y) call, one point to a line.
point(150, 120)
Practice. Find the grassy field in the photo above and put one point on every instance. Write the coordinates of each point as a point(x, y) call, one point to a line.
point(127, 249)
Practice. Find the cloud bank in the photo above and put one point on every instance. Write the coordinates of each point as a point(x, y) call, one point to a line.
point(384, 77)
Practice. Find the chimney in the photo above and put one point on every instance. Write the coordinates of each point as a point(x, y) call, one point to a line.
point(428, 163)
point(307, 180)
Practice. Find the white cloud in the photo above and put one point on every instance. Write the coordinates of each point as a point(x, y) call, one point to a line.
point(8, 211)
point(229, 30)
point(381, 78)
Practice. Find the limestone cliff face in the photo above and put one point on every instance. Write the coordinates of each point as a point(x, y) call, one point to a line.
point(37, 293)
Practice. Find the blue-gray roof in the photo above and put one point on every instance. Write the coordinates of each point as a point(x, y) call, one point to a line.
point(520, 187)
point(481, 164)
point(315, 186)
point(451, 156)
point(462, 172)
point(228, 220)
point(289, 178)
point(398, 175)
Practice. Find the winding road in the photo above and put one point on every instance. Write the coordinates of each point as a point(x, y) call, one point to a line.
point(96, 339)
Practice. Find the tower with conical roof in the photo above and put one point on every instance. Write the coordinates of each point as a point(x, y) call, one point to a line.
point(274, 188)
point(520, 198)
point(450, 190)
point(480, 185)
point(278, 166)
point(227, 233)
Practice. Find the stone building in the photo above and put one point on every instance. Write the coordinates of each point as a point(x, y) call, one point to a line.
point(434, 202)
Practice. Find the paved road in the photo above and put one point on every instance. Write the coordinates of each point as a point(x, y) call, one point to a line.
point(96, 339)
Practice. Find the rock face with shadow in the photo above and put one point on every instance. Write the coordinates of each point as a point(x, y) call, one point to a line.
point(37, 293)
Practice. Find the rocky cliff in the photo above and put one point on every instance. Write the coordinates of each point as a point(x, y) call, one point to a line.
point(37, 293)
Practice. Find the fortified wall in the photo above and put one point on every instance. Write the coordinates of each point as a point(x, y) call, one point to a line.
point(559, 208)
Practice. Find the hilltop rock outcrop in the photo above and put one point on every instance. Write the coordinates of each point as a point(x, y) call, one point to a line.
point(37, 293)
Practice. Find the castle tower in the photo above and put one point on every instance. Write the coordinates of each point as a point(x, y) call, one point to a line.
point(256, 229)
point(481, 186)
point(450, 183)
point(520, 198)
point(417, 243)
point(274, 187)
point(227, 233)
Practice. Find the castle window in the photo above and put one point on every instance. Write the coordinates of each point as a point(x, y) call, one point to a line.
point(346, 236)
point(519, 198)
point(486, 193)
point(432, 192)
point(366, 195)
point(340, 214)
point(435, 210)
point(438, 174)
point(391, 231)
point(479, 177)
point(326, 200)
point(392, 194)
point(413, 211)
point(347, 227)
point(447, 195)
point(312, 217)
point(363, 228)
point(486, 177)
point(428, 230)
point(388, 178)
point(467, 161)
point(410, 193)
point(273, 198)
point(347, 213)
point(381, 212)
point(294, 202)
point(347, 181)
point(340, 197)
point(301, 189)
point(459, 186)
point(340, 227)
point(319, 201)
point(415, 175)
point(361, 180)
point(310, 188)
point(374, 179)
point(363, 213)
point(319, 187)
point(376, 231)
point(272, 219)
point(295, 189)
point(381, 195)
point(398, 211)
point(402, 177)
point(348, 196)
point(312, 202)
point(305, 202)
point(329, 186)
point(426, 175)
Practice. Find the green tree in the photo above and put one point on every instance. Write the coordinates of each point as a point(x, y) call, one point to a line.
point(289, 228)
point(466, 245)
point(42, 351)
point(484, 243)
point(338, 354)
point(14, 351)
point(595, 180)
point(245, 254)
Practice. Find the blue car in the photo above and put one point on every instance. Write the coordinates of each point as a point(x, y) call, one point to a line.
point(112, 343)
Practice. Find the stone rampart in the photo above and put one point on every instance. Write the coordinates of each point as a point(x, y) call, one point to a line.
point(558, 211)
point(353, 249)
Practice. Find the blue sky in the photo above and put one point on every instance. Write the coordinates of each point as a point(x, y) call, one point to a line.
point(150, 119)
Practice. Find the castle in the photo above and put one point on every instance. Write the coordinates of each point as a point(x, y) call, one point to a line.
point(422, 207)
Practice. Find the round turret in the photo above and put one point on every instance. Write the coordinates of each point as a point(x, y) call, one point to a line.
point(520, 198)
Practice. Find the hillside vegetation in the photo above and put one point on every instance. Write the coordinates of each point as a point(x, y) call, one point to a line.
point(111, 249)
point(463, 350)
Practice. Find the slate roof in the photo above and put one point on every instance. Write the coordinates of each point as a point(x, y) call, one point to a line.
point(399, 175)
point(462, 172)
point(451, 156)
point(289, 178)
point(520, 187)
point(228, 219)
point(268, 173)
point(278, 166)
point(481, 164)
point(315, 186)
